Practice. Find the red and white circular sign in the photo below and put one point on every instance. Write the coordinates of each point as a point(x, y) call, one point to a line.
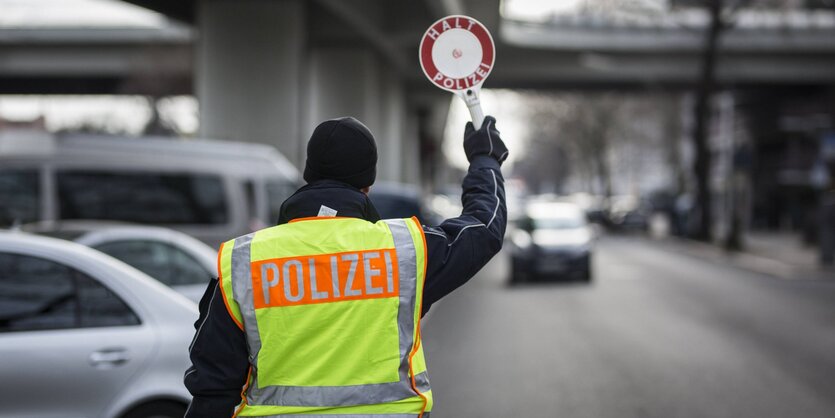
point(457, 53)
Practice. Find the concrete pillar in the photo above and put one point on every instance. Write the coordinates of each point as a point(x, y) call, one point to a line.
point(394, 134)
point(250, 72)
point(357, 82)
point(259, 80)
point(409, 162)
point(426, 123)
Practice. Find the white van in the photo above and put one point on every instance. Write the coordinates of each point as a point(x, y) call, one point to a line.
point(212, 190)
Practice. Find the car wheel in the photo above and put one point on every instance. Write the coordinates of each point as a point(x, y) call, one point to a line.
point(517, 275)
point(586, 274)
point(162, 409)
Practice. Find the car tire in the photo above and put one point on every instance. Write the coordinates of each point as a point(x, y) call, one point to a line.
point(159, 409)
point(586, 275)
point(516, 274)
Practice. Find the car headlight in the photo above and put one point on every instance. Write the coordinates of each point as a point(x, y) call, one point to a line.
point(522, 239)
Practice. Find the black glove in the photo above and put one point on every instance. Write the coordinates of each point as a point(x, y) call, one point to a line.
point(485, 141)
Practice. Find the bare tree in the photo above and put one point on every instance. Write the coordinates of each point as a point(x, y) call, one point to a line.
point(593, 123)
point(701, 116)
point(572, 135)
point(721, 14)
point(669, 109)
point(546, 165)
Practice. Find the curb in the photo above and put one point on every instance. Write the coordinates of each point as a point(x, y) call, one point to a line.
point(746, 261)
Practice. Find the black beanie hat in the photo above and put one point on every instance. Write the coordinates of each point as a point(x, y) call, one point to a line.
point(342, 149)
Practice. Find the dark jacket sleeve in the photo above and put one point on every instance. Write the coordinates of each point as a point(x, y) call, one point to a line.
point(459, 247)
point(219, 360)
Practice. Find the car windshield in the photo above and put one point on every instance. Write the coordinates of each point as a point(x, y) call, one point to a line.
point(564, 222)
point(166, 263)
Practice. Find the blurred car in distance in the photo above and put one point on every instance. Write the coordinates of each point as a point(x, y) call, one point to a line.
point(551, 240)
point(85, 335)
point(628, 214)
point(594, 206)
point(211, 190)
point(397, 200)
point(446, 203)
point(174, 258)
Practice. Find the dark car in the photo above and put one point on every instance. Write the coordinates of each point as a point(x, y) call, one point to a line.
point(628, 214)
point(552, 240)
point(395, 200)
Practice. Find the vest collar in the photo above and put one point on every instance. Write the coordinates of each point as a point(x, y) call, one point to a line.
point(346, 200)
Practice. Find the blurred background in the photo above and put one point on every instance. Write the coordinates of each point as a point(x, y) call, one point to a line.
point(671, 193)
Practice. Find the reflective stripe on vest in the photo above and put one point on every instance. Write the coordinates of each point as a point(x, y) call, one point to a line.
point(255, 285)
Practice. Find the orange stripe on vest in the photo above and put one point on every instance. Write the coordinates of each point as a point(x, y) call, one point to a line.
point(325, 278)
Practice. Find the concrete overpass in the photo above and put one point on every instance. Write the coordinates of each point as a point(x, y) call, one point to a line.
point(268, 70)
point(553, 54)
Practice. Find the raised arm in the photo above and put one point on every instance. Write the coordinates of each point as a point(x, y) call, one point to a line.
point(459, 247)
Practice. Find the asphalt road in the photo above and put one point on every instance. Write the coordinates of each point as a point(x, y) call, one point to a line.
point(658, 334)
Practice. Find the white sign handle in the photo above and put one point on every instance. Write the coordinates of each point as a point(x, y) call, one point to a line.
point(471, 98)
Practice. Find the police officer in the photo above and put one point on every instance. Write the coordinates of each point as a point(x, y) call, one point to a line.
point(320, 315)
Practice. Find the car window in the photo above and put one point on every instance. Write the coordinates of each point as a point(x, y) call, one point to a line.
point(249, 196)
point(100, 307)
point(166, 263)
point(277, 193)
point(39, 294)
point(392, 206)
point(19, 196)
point(142, 197)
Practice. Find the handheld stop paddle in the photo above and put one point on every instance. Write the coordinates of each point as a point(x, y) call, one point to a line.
point(457, 54)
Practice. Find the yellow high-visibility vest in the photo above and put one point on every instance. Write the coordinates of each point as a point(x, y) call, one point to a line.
point(331, 311)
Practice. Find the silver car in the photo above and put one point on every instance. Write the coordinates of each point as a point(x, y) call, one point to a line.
point(172, 257)
point(85, 335)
